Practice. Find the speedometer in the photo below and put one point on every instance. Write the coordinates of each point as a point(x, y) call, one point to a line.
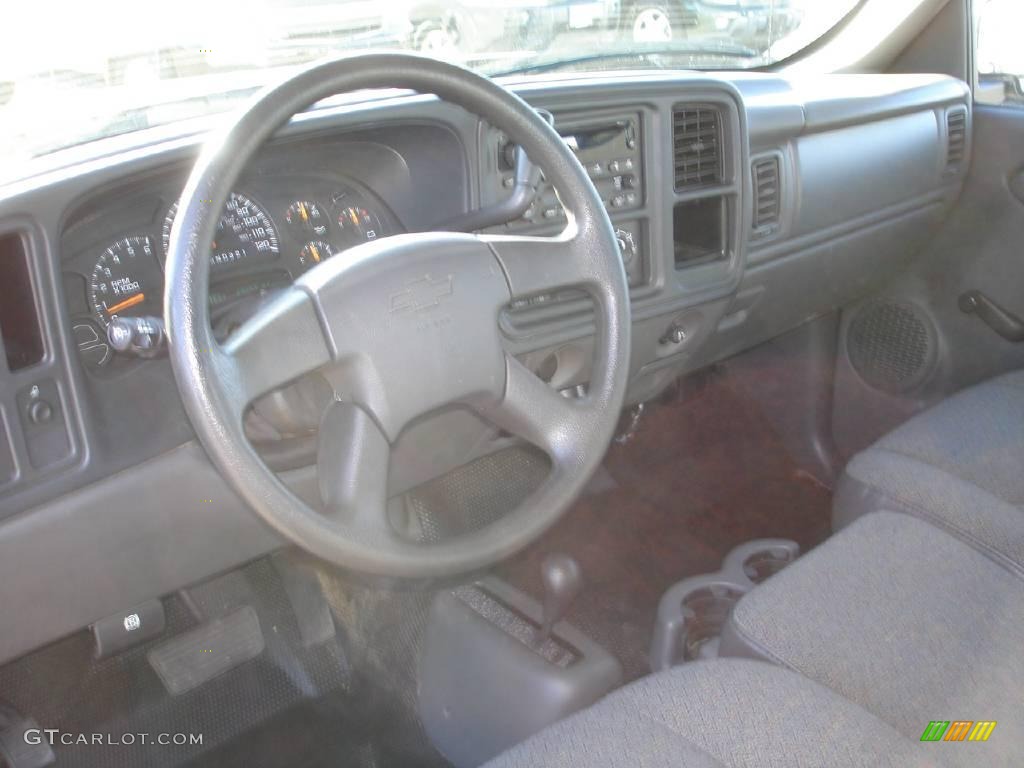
point(244, 232)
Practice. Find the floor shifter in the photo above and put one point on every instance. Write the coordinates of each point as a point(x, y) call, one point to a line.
point(497, 665)
point(563, 582)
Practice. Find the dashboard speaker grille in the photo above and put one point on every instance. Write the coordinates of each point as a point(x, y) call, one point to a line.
point(892, 346)
point(697, 146)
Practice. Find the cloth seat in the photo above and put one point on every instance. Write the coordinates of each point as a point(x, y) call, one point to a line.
point(718, 714)
point(851, 652)
point(959, 465)
point(905, 620)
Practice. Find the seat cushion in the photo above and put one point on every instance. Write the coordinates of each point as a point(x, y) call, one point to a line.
point(905, 620)
point(715, 714)
point(960, 465)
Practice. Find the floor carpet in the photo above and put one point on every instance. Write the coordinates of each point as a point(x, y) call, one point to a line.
point(701, 474)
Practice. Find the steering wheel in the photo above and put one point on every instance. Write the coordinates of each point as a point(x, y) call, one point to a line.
point(400, 327)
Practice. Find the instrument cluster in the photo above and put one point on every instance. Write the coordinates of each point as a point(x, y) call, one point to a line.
point(266, 237)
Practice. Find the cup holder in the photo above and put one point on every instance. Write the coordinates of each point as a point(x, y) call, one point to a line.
point(693, 612)
point(706, 609)
point(759, 560)
point(762, 565)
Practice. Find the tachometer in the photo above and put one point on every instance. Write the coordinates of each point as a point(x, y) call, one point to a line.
point(244, 232)
point(126, 280)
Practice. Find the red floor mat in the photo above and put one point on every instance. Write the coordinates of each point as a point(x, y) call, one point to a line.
point(698, 478)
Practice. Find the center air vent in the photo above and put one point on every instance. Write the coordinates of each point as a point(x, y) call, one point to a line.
point(956, 132)
point(697, 142)
point(767, 196)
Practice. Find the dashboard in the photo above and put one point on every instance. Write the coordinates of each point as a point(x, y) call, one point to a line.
point(744, 205)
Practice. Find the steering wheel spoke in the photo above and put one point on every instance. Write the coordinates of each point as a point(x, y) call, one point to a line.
point(534, 411)
point(353, 460)
point(279, 344)
point(536, 265)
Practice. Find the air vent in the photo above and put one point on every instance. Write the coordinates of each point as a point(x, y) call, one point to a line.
point(767, 196)
point(697, 141)
point(956, 133)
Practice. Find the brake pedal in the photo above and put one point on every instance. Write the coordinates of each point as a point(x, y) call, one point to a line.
point(208, 651)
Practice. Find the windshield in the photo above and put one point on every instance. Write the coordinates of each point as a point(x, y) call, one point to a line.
point(72, 71)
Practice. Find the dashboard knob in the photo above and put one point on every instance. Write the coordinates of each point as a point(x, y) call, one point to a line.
point(627, 245)
point(139, 336)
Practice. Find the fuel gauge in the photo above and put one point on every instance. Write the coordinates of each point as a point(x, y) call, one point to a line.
point(306, 218)
point(315, 252)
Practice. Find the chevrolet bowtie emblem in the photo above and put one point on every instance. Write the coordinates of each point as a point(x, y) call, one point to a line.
point(420, 294)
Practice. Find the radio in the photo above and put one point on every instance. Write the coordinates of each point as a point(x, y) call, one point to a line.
point(610, 152)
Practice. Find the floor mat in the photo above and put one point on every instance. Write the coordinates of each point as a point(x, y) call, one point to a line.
point(294, 705)
point(701, 475)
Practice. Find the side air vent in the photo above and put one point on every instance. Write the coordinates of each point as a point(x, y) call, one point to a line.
point(767, 196)
point(697, 142)
point(956, 133)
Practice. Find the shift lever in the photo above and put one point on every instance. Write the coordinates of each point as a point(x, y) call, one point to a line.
point(563, 581)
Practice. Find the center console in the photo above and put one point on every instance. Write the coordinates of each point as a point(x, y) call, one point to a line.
point(496, 666)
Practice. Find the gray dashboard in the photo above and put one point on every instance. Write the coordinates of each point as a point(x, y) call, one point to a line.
point(820, 189)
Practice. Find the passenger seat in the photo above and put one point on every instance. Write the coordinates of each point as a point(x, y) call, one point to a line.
point(912, 613)
point(959, 465)
point(852, 652)
point(904, 620)
point(729, 713)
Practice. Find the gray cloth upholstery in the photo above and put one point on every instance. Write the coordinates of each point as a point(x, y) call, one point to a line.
point(959, 465)
point(719, 714)
point(905, 620)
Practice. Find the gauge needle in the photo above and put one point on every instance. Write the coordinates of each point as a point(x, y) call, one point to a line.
point(316, 253)
point(131, 301)
point(302, 210)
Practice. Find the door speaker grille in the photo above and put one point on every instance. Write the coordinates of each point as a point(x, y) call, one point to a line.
point(892, 346)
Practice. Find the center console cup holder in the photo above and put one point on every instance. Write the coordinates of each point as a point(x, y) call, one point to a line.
point(693, 612)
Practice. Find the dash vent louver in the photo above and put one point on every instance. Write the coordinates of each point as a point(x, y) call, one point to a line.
point(697, 146)
point(956, 133)
point(767, 196)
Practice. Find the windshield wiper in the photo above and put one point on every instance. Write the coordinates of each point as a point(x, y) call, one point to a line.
point(653, 55)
